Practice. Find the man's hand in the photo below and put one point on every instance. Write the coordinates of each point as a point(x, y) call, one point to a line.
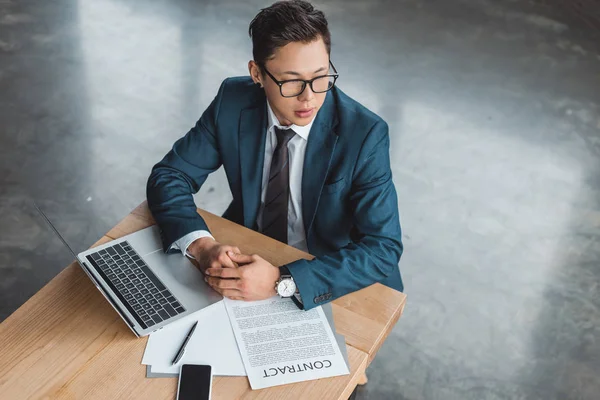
point(211, 254)
point(253, 280)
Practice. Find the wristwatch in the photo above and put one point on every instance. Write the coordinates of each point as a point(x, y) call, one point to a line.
point(285, 285)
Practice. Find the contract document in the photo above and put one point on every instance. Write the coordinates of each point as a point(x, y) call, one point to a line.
point(281, 344)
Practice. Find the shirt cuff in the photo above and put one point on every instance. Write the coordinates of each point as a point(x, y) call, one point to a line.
point(183, 243)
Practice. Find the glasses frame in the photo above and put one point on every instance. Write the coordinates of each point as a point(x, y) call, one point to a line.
point(309, 82)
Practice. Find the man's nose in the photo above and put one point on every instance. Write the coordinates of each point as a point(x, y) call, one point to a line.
point(307, 95)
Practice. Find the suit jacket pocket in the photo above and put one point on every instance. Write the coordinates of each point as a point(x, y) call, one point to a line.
point(333, 187)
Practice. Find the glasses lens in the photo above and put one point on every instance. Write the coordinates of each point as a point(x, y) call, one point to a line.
point(292, 88)
point(323, 84)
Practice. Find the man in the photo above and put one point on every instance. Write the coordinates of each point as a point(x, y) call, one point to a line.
point(306, 165)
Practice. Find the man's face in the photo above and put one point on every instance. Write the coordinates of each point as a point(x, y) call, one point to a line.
point(296, 60)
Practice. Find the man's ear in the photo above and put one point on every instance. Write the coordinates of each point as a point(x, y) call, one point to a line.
point(255, 72)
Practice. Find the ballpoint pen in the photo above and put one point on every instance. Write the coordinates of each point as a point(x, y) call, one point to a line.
point(183, 345)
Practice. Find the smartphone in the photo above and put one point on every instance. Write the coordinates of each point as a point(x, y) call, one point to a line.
point(195, 382)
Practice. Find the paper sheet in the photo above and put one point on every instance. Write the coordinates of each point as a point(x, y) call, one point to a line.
point(327, 309)
point(212, 344)
point(281, 344)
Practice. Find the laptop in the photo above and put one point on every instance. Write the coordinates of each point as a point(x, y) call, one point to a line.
point(148, 288)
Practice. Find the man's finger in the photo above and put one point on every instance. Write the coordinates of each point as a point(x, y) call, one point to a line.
point(223, 272)
point(223, 283)
point(226, 261)
point(240, 258)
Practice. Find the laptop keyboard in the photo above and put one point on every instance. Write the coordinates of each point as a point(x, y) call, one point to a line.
point(144, 295)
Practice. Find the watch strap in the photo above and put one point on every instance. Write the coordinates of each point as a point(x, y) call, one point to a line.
point(284, 271)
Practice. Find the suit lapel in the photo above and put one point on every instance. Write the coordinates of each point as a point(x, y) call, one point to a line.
point(317, 160)
point(252, 136)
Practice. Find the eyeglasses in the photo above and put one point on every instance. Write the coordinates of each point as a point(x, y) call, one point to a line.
point(295, 87)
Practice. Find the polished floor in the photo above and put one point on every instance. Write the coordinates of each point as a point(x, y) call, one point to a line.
point(494, 110)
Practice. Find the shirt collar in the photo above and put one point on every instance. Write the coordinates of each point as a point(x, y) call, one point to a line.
point(301, 131)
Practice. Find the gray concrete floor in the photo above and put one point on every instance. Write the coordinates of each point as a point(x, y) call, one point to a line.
point(494, 109)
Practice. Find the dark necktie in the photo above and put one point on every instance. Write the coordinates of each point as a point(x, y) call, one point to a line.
point(275, 212)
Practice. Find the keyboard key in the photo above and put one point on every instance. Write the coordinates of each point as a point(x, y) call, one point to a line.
point(138, 296)
point(111, 251)
point(147, 306)
point(163, 314)
point(144, 291)
point(120, 286)
point(175, 304)
point(170, 310)
point(149, 285)
point(154, 291)
point(125, 280)
point(128, 297)
point(156, 318)
point(140, 286)
point(135, 280)
point(151, 311)
point(119, 249)
point(149, 296)
point(132, 276)
point(145, 280)
point(163, 301)
point(153, 278)
point(130, 286)
point(153, 301)
point(96, 257)
point(180, 310)
point(137, 307)
point(170, 298)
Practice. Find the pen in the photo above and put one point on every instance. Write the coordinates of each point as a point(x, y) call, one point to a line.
point(184, 344)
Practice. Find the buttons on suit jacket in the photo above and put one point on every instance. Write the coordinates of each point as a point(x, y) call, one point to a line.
point(322, 298)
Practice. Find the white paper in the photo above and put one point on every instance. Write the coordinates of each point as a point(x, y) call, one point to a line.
point(212, 343)
point(282, 344)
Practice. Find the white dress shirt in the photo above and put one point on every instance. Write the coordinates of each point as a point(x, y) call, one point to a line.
point(296, 150)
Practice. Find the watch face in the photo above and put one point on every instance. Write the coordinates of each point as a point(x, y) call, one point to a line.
point(286, 288)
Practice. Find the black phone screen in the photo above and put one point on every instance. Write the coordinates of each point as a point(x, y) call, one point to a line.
point(194, 382)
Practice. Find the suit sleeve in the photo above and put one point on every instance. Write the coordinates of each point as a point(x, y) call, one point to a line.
point(376, 251)
point(180, 174)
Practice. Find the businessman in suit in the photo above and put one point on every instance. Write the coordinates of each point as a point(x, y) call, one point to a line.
point(306, 164)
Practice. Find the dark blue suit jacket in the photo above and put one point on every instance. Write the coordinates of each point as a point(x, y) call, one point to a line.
point(349, 203)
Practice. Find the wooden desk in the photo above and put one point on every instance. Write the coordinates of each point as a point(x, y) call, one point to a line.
point(67, 341)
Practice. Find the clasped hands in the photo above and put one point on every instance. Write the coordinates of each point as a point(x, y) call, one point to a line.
point(232, 274)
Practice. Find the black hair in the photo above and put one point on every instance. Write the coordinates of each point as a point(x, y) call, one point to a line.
point(284, 22)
